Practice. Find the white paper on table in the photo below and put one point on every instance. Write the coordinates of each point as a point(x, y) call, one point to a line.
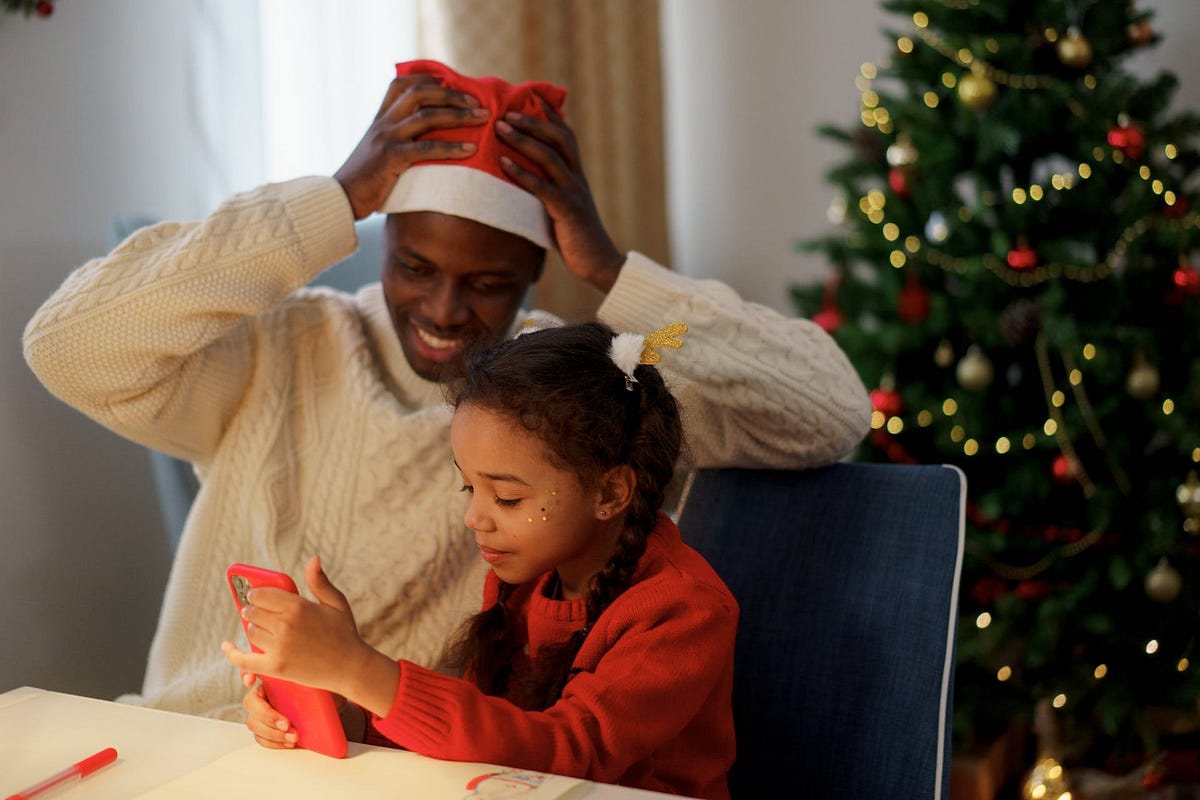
point(366, 772)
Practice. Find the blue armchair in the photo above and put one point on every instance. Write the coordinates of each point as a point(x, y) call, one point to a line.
point(847, 578)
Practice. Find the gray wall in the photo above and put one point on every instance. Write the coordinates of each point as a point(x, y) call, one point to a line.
point(94, 122)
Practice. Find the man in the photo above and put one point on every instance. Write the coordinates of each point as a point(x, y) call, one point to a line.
point(315, 420)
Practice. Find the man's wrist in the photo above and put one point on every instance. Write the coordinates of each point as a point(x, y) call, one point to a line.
point(604, 276)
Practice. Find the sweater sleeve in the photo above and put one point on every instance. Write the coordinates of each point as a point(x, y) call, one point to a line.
point(149, 340)
point(757, 389)
point(659, 666)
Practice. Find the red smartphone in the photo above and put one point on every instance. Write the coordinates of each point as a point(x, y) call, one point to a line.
point(310, 710)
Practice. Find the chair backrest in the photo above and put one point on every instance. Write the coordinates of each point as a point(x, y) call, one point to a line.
point(847, 577)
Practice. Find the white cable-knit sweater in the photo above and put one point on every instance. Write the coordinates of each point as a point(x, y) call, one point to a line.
point(311, 434)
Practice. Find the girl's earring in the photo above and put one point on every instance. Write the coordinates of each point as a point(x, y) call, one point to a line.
point(604, 512)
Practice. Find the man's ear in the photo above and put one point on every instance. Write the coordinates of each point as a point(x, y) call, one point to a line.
point(617, 487)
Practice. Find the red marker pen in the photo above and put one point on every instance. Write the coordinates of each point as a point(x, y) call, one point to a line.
point(75, 772)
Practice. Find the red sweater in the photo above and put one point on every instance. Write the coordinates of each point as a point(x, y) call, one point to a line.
point(649, 706)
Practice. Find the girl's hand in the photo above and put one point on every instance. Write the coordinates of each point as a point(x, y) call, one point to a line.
point(585, 245)
point(301, 641)
point(270, 728)
point(413, 105)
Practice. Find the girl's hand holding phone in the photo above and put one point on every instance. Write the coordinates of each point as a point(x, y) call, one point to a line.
point(315, 644)
point(270, 728)
point(301, 641)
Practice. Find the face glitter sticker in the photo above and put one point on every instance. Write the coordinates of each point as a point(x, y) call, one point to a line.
point(549, 501)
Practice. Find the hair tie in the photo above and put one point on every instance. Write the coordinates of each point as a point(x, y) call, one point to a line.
point(628, 350)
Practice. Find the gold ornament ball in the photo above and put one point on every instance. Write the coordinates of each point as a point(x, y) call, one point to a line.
point(976, 91)
point(943, 356)
point(1142, 381)
point(1163, 582)
point(974, 371)
point(1074, 50)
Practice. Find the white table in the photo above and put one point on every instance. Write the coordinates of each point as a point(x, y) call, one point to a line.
point(166, 755)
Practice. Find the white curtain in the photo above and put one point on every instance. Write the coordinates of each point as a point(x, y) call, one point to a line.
point(326, 66)
point(284, 88)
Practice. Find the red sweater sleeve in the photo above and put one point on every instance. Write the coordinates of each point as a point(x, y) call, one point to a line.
point(657, 672)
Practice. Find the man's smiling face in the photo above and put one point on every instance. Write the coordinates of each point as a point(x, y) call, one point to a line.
point(449, 282)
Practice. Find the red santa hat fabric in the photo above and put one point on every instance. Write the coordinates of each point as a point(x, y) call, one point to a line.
point(477, 187)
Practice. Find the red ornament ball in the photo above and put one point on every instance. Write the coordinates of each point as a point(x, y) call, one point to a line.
point(988, 590)
point(1129, 139)
point(830, 319)
point(1063, 470)
point(1177, 209)
point(44, 8)
point(912, 304)
point(887, 401)
point(898, 181)
point(1140, 33)
point(1186, 279)
point(1032, 589)
point(1022, 257)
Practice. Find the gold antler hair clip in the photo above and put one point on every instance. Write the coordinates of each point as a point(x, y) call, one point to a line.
point(628, 350)
point(666, 336)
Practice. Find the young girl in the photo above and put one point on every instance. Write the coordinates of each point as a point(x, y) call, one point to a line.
point(605, 647)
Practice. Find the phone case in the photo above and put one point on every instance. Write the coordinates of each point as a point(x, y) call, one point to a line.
point(310, 710)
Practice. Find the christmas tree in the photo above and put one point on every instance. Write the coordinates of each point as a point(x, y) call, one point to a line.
point(1012, 275)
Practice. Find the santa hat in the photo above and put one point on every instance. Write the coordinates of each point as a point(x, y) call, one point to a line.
point(477, 188)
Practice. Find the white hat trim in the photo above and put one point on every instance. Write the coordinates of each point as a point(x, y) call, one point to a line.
point(473, 194)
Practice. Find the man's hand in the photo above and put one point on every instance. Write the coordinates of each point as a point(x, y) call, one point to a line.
point(414, 104)
point(585, 245)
